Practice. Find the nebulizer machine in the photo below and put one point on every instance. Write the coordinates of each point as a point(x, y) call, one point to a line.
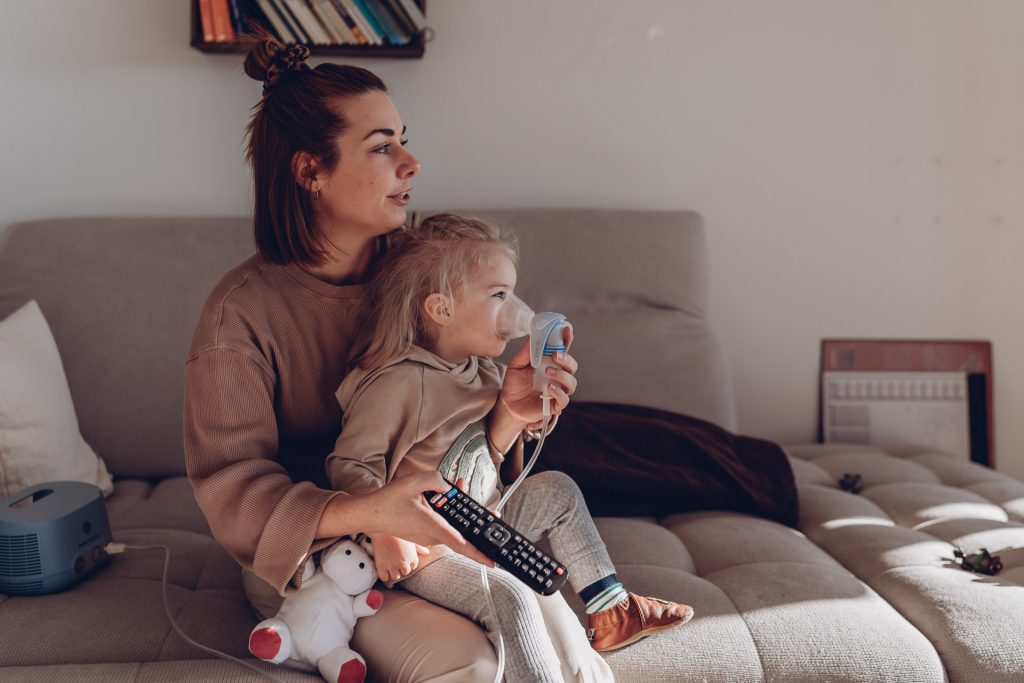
point(546, 337)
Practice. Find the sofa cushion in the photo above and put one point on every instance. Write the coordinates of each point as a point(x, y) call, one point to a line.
point(39, 437)
point(898, 538)
point(122, 296)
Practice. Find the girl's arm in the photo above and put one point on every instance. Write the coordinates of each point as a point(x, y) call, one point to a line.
point(519, 406)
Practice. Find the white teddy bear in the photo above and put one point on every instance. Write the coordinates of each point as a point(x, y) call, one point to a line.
point(314, 626)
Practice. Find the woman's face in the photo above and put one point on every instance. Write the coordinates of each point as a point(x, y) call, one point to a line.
point(366, 193)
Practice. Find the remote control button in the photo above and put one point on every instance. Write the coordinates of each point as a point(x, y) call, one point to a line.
point(559, 571)
point(497, 535)
point(441, 503)
point(436, 497)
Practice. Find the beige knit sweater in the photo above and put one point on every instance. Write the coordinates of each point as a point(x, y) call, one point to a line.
point(260, 412)
point(417, 413)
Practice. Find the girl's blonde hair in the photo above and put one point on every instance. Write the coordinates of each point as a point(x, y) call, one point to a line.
point(439, 255)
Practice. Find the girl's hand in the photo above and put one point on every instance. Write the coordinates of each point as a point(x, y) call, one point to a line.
point(521, 400)
point(394, 557)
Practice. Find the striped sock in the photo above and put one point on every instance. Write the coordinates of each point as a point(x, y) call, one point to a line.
point(606, 599)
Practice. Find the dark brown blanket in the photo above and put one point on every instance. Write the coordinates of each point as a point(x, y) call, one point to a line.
point(630, 460)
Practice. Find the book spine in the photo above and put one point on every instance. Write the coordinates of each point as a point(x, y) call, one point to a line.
point(221, 21)
point(371, 34)
point(415, 14)
point(345, 36)
point(401, 18)
point(293, 24)
point(374, 20)
point(326, 24)
point(206, 20)
point(357, 32)
point(298, 10)
point(281, 25)
point(236, 17)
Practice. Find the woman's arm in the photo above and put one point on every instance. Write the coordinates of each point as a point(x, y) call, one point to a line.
point(265, 520)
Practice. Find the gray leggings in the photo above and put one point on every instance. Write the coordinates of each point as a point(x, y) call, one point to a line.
point(549, 505)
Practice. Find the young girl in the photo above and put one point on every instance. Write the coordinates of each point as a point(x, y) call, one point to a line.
point(420, 398)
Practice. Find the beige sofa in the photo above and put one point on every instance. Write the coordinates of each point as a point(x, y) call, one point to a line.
point(861, 592)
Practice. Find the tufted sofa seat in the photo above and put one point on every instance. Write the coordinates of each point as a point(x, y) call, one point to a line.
point(898, 535)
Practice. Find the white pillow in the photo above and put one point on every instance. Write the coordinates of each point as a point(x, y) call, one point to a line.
point(39, 437)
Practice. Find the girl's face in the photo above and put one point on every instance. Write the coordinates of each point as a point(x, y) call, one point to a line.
point(365, 195)
point(473, 328)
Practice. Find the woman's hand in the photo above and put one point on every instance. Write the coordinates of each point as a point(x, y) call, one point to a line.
point(400, 509)
point(518, 397)
point(395, 558)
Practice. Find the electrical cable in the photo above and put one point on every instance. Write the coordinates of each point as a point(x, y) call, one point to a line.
point(499, 675)
point(118, 548)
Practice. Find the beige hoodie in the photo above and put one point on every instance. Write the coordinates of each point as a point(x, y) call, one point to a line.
point(418, 412)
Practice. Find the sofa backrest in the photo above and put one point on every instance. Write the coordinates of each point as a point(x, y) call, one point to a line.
point(122, 296)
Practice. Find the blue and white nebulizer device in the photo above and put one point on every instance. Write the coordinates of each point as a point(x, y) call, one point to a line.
point(547, 335)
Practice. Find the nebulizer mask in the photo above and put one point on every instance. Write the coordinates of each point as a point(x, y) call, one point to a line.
point(547, 336)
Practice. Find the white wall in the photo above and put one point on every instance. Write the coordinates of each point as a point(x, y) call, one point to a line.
point(860, 163)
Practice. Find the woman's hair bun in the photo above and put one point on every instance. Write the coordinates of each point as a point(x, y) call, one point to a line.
point(261, 48)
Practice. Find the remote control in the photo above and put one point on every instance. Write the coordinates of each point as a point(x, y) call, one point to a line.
point(498, 541)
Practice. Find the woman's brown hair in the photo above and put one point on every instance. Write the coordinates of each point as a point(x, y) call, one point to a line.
point(299, 112)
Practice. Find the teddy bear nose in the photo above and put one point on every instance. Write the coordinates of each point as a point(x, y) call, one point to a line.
point(361, 565)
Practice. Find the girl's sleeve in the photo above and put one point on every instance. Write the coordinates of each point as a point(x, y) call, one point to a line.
point(264, 520)
point(381, 424)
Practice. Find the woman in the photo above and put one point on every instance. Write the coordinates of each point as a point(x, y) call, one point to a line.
point(332, 178)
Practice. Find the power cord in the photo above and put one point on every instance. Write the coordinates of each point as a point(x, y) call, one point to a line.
point(118, 548)
point(500, 673)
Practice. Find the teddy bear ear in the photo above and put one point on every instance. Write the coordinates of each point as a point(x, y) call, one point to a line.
point(365, 543)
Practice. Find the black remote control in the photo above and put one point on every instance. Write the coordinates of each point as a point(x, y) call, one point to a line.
point(498, 541)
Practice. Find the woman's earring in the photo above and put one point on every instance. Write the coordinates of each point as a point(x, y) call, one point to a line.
point(316, 195)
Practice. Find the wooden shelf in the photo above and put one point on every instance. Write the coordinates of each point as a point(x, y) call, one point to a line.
point(413, 50)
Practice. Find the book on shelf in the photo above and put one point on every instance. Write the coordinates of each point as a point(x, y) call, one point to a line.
point(277, 23)
point(386, 23)
point(372, 37)
point(312, 22)
point(357, 33)
point(415, 14)
point(293, 23)
point(329, 16)
point(402, 18)
point(206, 19)
point(222, 31)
